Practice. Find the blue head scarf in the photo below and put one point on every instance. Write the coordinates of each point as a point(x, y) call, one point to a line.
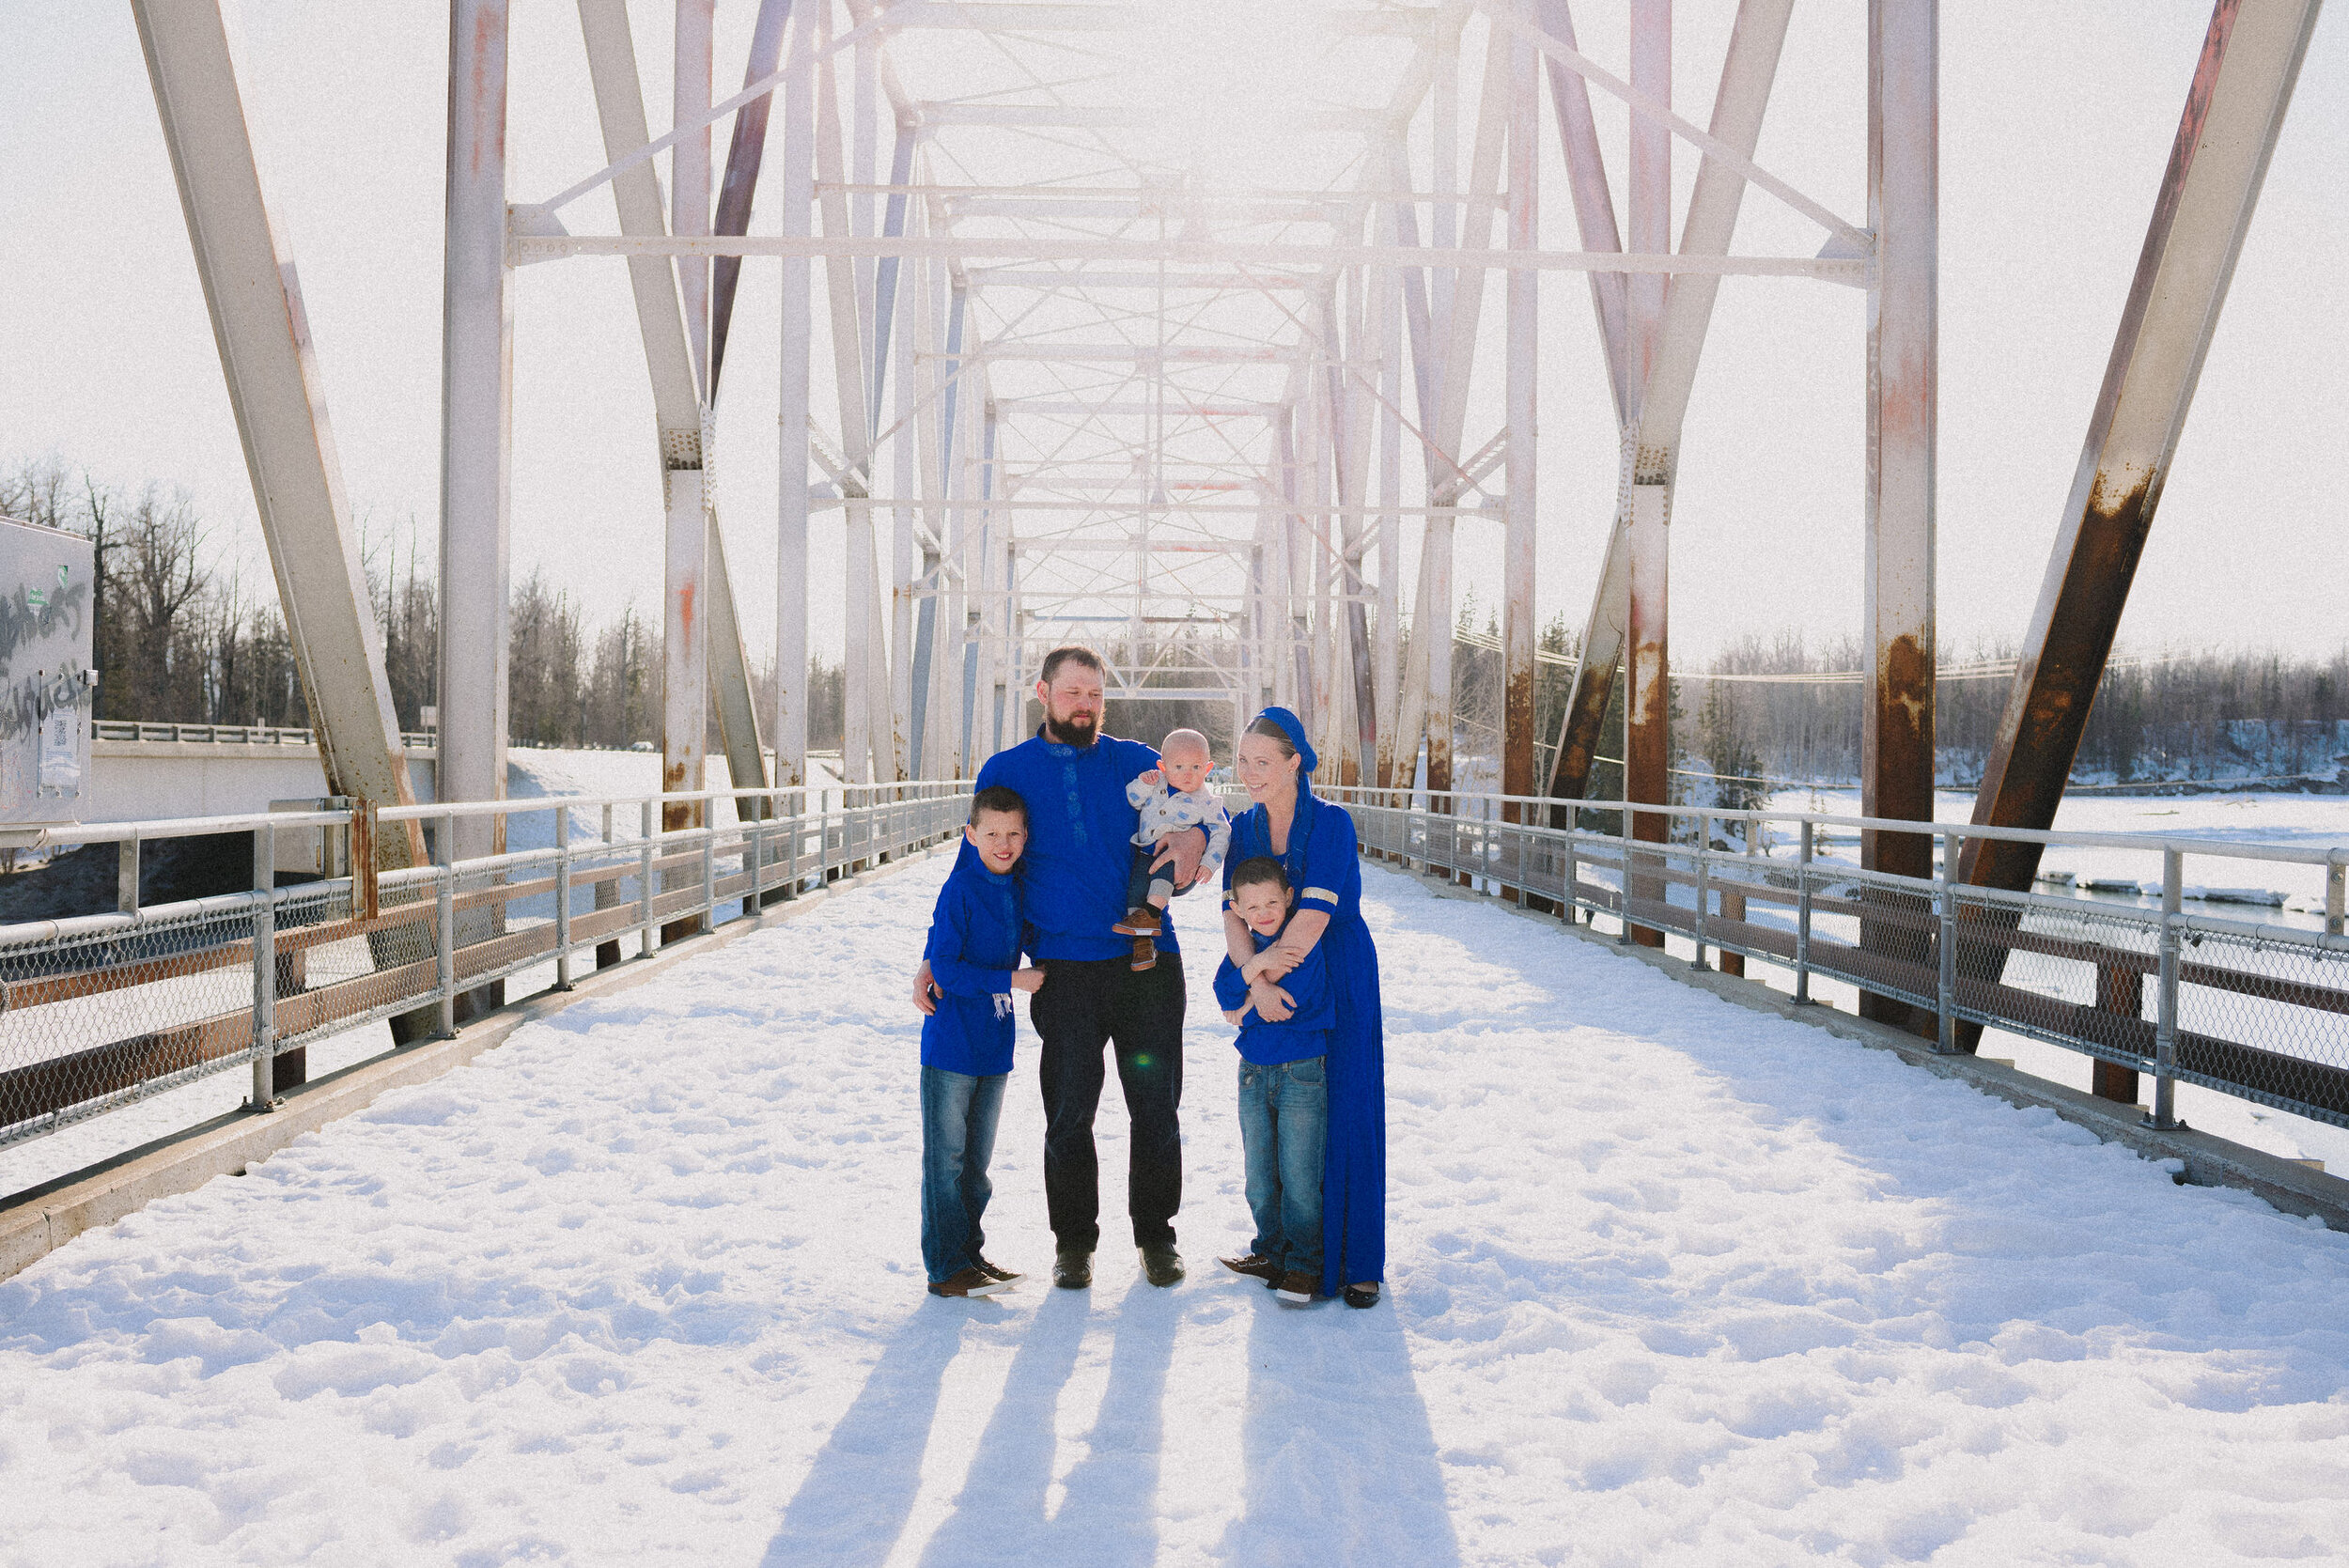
point(1294, 727)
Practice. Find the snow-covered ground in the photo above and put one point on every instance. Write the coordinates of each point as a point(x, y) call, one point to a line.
point(1671, 1282)
point(530, 774)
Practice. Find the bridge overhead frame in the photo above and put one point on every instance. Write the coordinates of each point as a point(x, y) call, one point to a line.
point(1127, 400)
point(1075, 386)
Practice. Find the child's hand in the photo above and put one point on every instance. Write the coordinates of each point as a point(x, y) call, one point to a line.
point(1029, 980)
point(1272, 1004)
point(1153, 778)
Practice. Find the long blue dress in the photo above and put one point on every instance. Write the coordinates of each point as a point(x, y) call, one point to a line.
point(1325, 868)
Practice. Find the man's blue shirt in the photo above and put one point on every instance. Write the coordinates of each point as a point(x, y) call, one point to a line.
point(1081, 830)
point(976, 936)
point(1305, 1031)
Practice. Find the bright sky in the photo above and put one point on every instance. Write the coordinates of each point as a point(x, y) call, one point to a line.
point(2056, 124)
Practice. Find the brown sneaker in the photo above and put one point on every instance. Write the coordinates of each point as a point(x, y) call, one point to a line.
point(970, 1281)
point(1146, 954)
point(1254, 1265)
point(1297, 1288)
point(1141, 921)
point(997, 1272)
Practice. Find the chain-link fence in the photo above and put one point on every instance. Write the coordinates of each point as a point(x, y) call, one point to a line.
point(2261, 1011)
point(101, 1010)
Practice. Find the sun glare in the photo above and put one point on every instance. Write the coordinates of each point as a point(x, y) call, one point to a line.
point(1237, 91)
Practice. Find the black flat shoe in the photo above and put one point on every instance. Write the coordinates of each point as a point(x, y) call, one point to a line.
point(1161, 1266)
point(1359, 1295)
point(1072, 1270)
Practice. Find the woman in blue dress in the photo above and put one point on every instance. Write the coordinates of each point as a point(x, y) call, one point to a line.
point(1314, 840)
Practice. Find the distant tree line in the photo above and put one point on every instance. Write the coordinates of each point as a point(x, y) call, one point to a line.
point(178, 638)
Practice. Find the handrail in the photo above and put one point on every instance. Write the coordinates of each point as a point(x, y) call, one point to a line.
point(2293, 854)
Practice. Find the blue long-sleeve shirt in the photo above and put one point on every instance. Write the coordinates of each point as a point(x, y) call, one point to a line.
point(1305, 1031)
point(1081, 828)
point(975, 942)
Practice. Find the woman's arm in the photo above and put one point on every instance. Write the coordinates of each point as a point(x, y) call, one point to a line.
point(1235, 938)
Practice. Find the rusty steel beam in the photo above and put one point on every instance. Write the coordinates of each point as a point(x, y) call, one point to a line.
point(2235, 111)
point(1904, 175)
point(741, 182)
point(1650, 454)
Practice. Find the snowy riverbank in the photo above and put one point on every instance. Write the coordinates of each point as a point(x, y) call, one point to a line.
point(1673, 1283)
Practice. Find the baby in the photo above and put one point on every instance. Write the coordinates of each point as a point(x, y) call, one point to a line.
point(1172, 796)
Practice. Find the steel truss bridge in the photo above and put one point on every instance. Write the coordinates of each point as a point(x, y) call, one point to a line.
point(1064, 385)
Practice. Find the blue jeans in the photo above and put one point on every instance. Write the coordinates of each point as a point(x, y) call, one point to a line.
point(958, 1114)
point(1283, 1125)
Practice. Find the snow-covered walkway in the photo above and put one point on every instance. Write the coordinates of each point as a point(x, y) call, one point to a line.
point(1673, 1282)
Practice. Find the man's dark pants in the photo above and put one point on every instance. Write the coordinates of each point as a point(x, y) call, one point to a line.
point(1140, 1013)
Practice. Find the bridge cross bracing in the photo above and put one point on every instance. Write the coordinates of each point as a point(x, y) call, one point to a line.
point(1091, 331)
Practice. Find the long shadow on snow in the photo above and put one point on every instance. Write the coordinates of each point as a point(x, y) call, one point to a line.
point(1108, 1514)
point(854, 1502)
point(1339, 1452)
point(1991, 1260)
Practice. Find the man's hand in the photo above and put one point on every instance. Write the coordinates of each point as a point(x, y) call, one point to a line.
point(1182, 850)
point(1272, 1004)
point(926, 992)
point(1028, 980)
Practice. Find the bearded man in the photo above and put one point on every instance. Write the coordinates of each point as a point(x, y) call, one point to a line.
point(1080, 832)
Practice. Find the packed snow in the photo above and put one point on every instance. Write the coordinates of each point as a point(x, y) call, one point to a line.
point(1672, 1282)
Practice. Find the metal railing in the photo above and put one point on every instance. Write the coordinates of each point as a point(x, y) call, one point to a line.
point(100, 1011)
point(232, 735)
point(2254, 1009)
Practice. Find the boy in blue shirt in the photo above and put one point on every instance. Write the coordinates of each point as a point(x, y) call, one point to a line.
point(976, 933)
point(1284, 1090)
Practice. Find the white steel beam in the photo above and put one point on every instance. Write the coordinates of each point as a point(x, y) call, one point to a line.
point(677, 411)
point(532, 247)
point(1519, 628)
point(278, 395)
point(791, 443)
point(477, 427)
point(689, 180)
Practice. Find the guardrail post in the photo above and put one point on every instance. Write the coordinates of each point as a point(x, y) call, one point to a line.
point(1802, 914)
point(1704, 882)
point(756, 852)
point(649, 822)
point(126, 875)
point(2335, 879)
point(1623, 897)
point(797, 834)
point(2166, 1002)
point(444, 893)
point(607, 894)
point(264, 968)
point(709, 864)
point(1572, 911)
point(1945, 989)
point(562, 898)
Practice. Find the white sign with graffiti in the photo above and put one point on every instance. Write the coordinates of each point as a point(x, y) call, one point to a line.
point(47, 685)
